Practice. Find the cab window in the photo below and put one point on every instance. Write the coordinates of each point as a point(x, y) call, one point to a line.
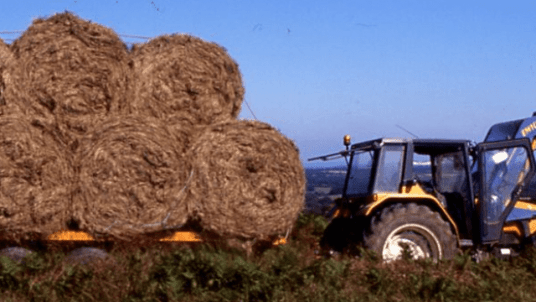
point(390, 166)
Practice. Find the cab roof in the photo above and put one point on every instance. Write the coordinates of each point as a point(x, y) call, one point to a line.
point(420, 145)
point(417, 142)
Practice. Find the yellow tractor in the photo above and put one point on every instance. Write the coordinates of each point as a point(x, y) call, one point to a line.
point(429, 198)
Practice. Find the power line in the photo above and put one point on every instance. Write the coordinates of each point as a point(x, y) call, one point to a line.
point(15, 32)
point(11, 32)
point(415, 136)
point(135, 36)
point(245, 101)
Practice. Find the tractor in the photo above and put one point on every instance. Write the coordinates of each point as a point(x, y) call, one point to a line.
point(430, 198)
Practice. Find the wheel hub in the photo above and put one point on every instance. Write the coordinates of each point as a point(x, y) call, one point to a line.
point(415, 241)
point(399, 244)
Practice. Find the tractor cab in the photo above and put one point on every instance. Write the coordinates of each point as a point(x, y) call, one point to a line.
point(422, 193)
point(522, 128)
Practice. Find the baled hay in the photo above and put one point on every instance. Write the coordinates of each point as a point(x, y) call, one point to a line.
point(5, 52)
point(132, 177)
point(69, 71)
point(183, 125)
point(248, 180)
point(5, 55)
point(35, 180)
point(6, 58)
point(181, 73)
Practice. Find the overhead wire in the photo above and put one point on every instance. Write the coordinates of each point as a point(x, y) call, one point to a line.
point(135, 36)
point(16, 32)
point(247, 104)
point(10, 32)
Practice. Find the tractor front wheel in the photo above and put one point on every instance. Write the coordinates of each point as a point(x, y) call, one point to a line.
point(410, 230)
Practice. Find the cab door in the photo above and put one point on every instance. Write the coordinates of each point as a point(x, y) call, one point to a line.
point(504, 168)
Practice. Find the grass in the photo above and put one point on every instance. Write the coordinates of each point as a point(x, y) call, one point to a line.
point(293, 272)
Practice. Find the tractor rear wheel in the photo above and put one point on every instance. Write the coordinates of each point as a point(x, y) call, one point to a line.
point(410, 230)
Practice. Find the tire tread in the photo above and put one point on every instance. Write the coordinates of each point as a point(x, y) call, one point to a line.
point(395, 215)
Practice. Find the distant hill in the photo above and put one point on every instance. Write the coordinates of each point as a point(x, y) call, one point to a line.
point(326, 177)
point(323, 186)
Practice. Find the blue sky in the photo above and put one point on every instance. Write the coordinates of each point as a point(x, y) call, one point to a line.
point(317, 70)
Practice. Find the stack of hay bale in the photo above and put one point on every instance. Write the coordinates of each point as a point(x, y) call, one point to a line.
point(124, 143)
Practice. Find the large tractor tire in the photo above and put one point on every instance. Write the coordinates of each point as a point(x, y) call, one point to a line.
point(410, 230)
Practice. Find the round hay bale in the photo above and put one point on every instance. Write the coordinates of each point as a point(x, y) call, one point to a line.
point(70, 72)
point(132, 177)
point(181, 73)
point(248, 180)
point(35, 180)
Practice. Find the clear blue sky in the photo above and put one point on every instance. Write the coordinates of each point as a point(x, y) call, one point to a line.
point(317, 70)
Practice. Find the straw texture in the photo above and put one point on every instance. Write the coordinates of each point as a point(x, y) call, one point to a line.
point(70, 74)
point(35, 179)
point(182, 73)
point(6, 58)
point(248, 180)
point(132, 173)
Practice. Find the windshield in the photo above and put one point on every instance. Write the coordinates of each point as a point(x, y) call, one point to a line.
point(388, 170)
point(504, 169)
point(360, 173)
